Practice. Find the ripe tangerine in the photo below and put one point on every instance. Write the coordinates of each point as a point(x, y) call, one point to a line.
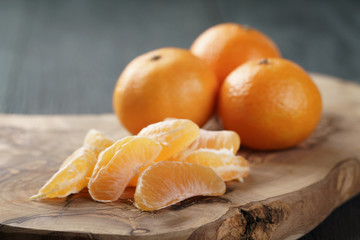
point(270, 103)
point(164, 83)
point(226, 46)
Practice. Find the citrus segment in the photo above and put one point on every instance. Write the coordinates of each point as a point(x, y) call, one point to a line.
point(227, 165)
point(105, 156)
point(70, 178)
point(216, 140)
point(96, 141)
point(173, 134)
point(168, 182)
point(109, 181)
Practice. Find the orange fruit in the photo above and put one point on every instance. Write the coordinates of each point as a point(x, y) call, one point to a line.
point(96, 141)
point(165, 183)
point(227, 165)
point(70, 178)
point(108, 182)
point(226, 46)
point(216, 140)
point(167, 82)
point(174, 135)
point(270, 103)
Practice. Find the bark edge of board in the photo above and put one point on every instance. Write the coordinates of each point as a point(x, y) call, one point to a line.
point(272, 218)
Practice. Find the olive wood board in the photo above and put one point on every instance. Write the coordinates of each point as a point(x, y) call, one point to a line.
point(287, 193)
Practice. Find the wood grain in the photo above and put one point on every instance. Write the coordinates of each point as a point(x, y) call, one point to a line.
point(286, 195)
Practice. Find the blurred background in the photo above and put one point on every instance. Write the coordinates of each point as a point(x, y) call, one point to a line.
point(67, 50)
point(64, 57)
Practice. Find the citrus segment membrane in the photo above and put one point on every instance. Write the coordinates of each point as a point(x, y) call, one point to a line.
point(168, 182)
point(227, 165)
point(173, 134)
point(216, 140)
point(111, 178)
point(71, 178)
point(107, 154)
point(97, 141)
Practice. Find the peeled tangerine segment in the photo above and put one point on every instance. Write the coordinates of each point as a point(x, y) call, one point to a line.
point(173, 134)
point(165, 183)
point(72, 177)
point(227, 165)
point(97, 141)
point(118, 164)
point(216, 140)
point(106, 155)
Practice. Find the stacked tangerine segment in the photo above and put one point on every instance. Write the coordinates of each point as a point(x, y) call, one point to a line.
point(109, 181)
point(167, 162)
point(174, 135)
point(74, 173)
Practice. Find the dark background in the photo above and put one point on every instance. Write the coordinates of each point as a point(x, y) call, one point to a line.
point(64, 57)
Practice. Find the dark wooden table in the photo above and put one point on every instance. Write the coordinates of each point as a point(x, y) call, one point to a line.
point(64, 57)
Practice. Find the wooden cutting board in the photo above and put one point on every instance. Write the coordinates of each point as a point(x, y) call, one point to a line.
point(287, 194)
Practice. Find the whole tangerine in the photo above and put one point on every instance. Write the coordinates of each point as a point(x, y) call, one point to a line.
point(226, 46)
point(271, 103)
point(164, 83)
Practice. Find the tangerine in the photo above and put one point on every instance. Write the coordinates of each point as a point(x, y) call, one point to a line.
point(163, 83)
point(226, 46)
point(271, 103)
